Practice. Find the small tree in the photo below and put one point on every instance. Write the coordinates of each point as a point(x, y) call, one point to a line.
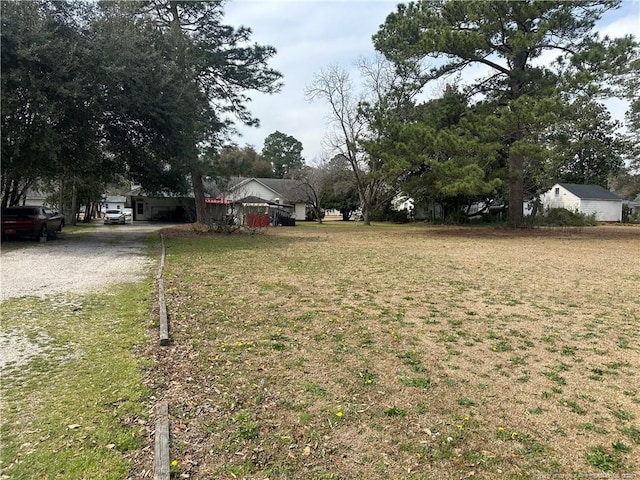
point(339, 190)
point(584, 145)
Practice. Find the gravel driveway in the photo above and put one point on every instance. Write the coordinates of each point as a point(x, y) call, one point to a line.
point(75, 263)
point(72, 263)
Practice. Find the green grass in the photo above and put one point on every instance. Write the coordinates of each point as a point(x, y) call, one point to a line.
point(78, 408)
point(423, 339)
point(79, 228)
point(346, 352)
point(604, 459)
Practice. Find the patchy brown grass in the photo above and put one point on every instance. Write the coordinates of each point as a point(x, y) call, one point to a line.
point(344, 352)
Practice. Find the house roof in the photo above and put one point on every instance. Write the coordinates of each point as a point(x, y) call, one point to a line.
point(115, 199)
point(589, 192)
point(291, 191)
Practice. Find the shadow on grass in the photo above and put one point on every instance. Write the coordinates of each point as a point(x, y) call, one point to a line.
point(602, 232)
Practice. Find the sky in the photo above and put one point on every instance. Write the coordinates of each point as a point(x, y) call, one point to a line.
point(311, 35)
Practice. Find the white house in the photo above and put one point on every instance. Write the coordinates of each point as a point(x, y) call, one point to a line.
point(275, 190)
point(113, 202)
point(35, 198)
point(586, 199)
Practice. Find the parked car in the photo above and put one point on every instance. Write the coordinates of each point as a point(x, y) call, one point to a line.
point(30, 222)
point(115, 216)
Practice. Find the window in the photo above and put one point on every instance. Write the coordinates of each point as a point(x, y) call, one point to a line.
point(557, 190)
point(118, 207)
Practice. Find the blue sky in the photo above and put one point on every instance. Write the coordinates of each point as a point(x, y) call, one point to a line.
point(310, 35)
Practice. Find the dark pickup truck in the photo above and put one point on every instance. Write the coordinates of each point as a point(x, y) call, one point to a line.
point(30, 222)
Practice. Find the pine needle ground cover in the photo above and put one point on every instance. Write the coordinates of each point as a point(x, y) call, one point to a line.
point(410, 352)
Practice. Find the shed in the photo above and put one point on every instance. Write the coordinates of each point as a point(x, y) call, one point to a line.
point(586, 199)
point(258, 212)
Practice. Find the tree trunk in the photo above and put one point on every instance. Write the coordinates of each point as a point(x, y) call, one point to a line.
point(364, 205)
point(516, 190)
point(61, 199)
point(5, 195)
point(15, 190)
point(366, 216)
point(198, 192)
point(88, 212)
point(74, 203)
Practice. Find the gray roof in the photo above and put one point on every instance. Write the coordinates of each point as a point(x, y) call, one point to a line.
point(289, 191)
point(590, 192)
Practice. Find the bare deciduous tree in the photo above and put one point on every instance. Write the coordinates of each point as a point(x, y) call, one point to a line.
point(347, 128)
point(354, 113)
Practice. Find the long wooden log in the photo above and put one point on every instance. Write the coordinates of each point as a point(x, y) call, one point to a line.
point(164, 320)
point(162, 459)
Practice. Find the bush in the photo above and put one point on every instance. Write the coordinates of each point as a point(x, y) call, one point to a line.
point(386, 213)
point(561, 217)
point(628, 216)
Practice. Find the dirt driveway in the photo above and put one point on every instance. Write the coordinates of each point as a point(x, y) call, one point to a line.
point(75, 262)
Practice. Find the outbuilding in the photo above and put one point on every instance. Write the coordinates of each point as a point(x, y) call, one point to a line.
point(586, 199)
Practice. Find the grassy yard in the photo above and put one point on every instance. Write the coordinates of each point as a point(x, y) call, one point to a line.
point(342, 352)
point(345, 352)
point(74, 405)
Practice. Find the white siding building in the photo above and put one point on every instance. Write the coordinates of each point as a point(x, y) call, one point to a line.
point(586, 199)
point(114, 203)
point(280, 191)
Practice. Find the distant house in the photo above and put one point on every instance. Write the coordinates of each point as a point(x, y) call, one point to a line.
point(283, 197)
point(586, 199)
point(276, 192)
point(114, 203)
point(34, 198)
